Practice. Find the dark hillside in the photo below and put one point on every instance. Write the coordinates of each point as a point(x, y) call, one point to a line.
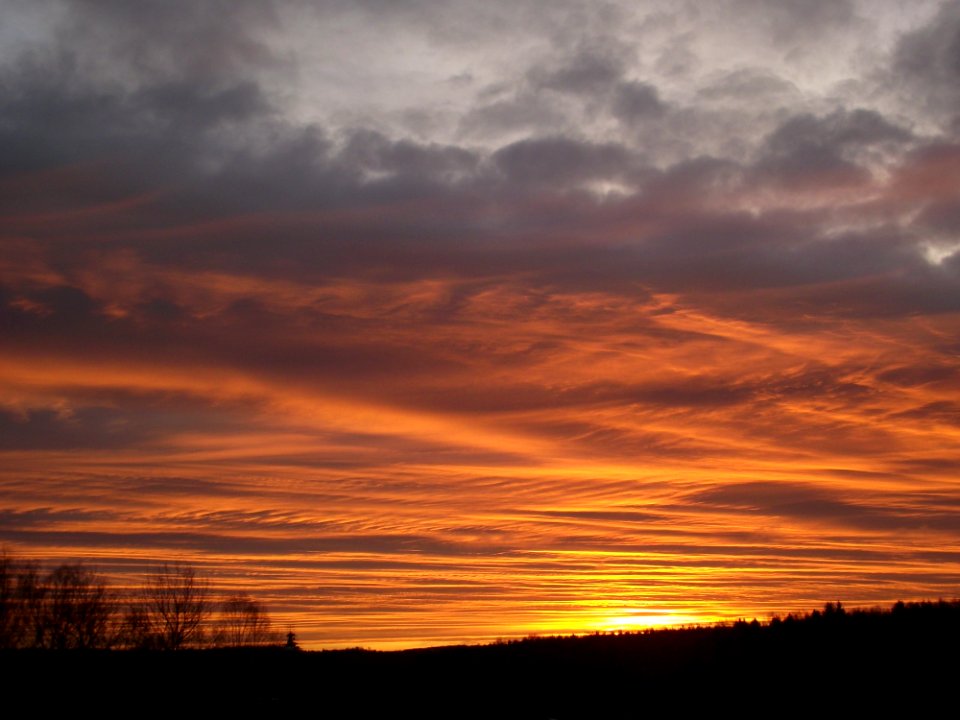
point(827, 659)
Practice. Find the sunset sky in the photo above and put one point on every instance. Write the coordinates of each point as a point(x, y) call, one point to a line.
point(428, 322)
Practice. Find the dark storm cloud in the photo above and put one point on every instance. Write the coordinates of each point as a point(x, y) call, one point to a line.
point(46, 516)
point(947, 465)
point(636, 100)
point(686, 394)
point(625, 516)
point(61, 306)
point(825, 150)
point(109, 146)
point(88, 427)
point(816, 504)
point(526, 112)
point(926, 65)
point(202, 42)
point(157, 489)
point(369, 151)
point(731, 553)
point(749, 84)
point(792, 21)
point(118, 81)
point(599, 76)
point(216, 542)
point(839, 130)
point(181, 135)
point(559, 161)
point(944, 411)
point(590, 72)
point(174, 335)
point(943, 217)
point(914, 375)
point(559, 94)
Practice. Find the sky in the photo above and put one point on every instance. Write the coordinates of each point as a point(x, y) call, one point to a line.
point(433, 322)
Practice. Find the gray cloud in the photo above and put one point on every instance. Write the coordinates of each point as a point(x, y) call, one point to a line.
point(635, 101)
point(798, 20)
point(525, 113)
point(557, 161)
point(750, 85)
point(827, 150)
point(838, 133)
point(926, 64)
point(590, 72)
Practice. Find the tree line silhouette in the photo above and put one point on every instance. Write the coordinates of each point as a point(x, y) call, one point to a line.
point(833, 660)
point(72, 607)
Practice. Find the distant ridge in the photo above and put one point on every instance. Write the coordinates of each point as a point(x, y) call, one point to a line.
point(846, 658)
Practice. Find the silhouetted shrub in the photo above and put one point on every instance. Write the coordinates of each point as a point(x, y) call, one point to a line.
point(78, 610)
point(70, 608)
point(243, 622)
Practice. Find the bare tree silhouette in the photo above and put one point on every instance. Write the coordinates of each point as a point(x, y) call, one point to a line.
point(69, 608)
point(11, 624)
point(31, 593)
point(176, 606)
point(73, 608)
point(244, 621)
point(135, 630)
point(22, 604)
point(78, 610)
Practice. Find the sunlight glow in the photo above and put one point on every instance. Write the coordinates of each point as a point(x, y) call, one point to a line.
point(647, 620)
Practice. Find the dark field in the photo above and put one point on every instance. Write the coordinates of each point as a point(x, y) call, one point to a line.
point(818, 664)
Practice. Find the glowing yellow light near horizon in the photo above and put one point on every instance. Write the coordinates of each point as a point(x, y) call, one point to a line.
point(647, 620)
